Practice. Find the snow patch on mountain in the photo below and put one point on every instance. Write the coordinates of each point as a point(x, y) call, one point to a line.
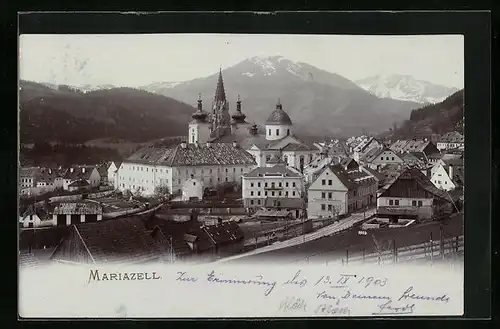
point(248, 74)
point(405, 88)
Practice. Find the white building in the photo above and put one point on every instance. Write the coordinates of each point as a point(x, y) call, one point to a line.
point(88, 173)
point(113, 173)
point(279, 142)
point(27, 177)
point(448, 175)
point(337, 191)
point(451, 140)
point(379, 157)
point(68, 213)
point(192, 189)
point(170, 166)
point(265, 187)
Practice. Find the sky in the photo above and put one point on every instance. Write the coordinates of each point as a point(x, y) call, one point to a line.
point(134, 60)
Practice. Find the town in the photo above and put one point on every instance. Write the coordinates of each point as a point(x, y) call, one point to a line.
point(234, 190)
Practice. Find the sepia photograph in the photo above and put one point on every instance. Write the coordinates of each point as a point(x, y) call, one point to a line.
point(230, 164)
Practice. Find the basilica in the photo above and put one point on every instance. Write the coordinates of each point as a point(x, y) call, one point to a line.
point(277, 145)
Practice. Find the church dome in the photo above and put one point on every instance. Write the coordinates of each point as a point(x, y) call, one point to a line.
point(279, 117)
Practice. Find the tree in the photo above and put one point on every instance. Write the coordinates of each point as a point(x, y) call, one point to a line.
point(162, 191)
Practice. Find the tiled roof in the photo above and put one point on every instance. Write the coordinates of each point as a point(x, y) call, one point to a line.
point(83, 172)
point(372, 154)
point(374, 173)
point(272, 213)
point(79, 183)
point(29, 172)
point(41, 212)
point(193, 155)
point(352, 179)
point(78, 208)
point(452, 137)
point(227, 232)
point(277, 169)
point(120, 240)
point(412, 145)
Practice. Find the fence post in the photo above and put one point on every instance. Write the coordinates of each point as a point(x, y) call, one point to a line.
point(441, 243)
point(364, 252)
point(347, 256)
point(394, 251)
point(432, 248)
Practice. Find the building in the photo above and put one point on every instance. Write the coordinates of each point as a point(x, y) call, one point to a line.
point(319, 162)
point(448, 175)
point(451, 140)
point(88, 173)
point(279, 142)
point(366, 146)
point(192, 189)
point(413, 196)
point(278, 183)
point(170, 166)
point(113, 173)
point(34, 217)
point(414, 146)
point(27, 177)
point(79, 185)
point(122, 241)
point(102, 169)
point(67, 213)
point(337, 191)
point(379, 157)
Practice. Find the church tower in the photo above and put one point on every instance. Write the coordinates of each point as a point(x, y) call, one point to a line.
point(279, 124)
point(221, 121)
point(199, 127)
point(238, 125)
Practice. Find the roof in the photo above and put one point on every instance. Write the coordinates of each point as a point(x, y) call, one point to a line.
point(412, 145)
point(279, 169)
point(193, 155)
point(83, 172)
point(452, 137)
point(369, 143)
point(78, 208)
point(226, 232)
point(41, 212)
point(293, 203)
point(29, 172)
point(374, 173)
point(279, 117)
point(119, 240)
point(414, 180)
point(28, 260)
point(345, 162)
point(352, 179)
point(79, 183)
point(372, 154)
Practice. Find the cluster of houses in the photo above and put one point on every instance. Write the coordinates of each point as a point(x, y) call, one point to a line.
point(40, 180)
point(280, 176)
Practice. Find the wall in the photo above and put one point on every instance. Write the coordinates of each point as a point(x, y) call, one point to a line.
point(282, 131)
point(192, 188)
point(386, 157)
point(441, 179)
point(144, 176)
point(315, 200)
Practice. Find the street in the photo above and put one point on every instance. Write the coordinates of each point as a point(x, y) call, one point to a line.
point(319, 246)
point(336, 227)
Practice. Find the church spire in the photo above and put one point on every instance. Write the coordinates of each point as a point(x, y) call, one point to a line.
point(199, 115)
point(220, 93)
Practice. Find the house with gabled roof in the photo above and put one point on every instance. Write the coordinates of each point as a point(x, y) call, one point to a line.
point(412, 195)
point(448, 175)
point(67, 213)
point(90, 174)
point(35, 216)
point(337, 191)
point(379, 157)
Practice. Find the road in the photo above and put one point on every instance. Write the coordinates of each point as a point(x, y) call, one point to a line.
point(319, 246)
point(336, 227)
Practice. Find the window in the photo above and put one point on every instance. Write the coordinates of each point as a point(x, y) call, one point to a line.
point(293, 184)
point(323, 195)
point(329, 182)
point(391, 202)
point(265, 193)
point(258, 184)
point(293, 193)
point(439, 182)
point(387, 158)
point(234, 169)
point(392, 158)
point(323, 207)
point(277, 132)
point(268, 157)
point(420, 203)
point(286, 184)
point(258, 202)
point(226, 169)
point(329, 207)
point(251, 193)
point(381, 158)
point(329, 195)
point(147, 169)
point(396, 202)
point(194, 183)
point(272, 193)
point(210, 170)
point(323, 182)
point(279, 193)
point(445, 182)
point(269, 133)
point(251, 201)
point(288, 132)
point(241, 169)
point(286, 193)
point(251, 184)
point(258, 193)
point(279, 184)
point(226, 179)
point(414, 203)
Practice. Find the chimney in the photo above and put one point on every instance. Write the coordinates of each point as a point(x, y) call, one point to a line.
point(83, 170)
point(235, 144)
point(50, 171)
point(183, 144)
point(450, 171)
point(71, 169)
point(209, 144)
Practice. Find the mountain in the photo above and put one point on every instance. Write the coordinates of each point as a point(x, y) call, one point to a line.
point(405, 88)
point(318, 102)
point(68, 115)
point(439, 118)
